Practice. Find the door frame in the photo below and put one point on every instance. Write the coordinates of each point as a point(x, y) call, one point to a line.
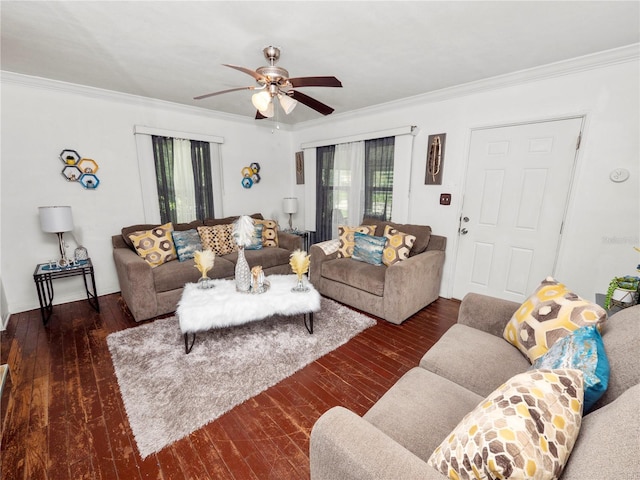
point(570, 193)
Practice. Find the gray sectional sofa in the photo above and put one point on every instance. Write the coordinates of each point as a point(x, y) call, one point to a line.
point(393, 293)
point(150, 292)
point(396, 437)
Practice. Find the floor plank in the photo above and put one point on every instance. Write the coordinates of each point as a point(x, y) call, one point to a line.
point(63, 417)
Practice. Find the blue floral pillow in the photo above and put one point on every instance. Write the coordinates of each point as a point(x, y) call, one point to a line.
point(256, 241)
point(368, 248)
point(186, 243)
point(582, 350)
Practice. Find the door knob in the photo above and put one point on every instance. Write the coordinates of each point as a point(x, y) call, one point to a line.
point(463, 231)
point(465, 219)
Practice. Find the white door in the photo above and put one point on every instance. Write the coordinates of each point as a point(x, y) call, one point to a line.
point(516, 192)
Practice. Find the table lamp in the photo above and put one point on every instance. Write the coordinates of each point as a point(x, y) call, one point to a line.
point(290, 206)
point(57, 220)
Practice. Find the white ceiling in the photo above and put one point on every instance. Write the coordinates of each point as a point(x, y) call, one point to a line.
point(381, 51)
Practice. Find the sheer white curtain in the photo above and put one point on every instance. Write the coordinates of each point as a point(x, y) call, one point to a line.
point(348, 185)
point(183, 180)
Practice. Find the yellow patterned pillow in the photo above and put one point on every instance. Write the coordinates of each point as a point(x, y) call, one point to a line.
point(347, 238)
point(524, 429)
point(218, 238)
point(550, 313)
point(155, 245)
point(398, 246)
point(269, 232)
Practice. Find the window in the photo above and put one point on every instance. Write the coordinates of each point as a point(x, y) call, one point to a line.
point(184, 180)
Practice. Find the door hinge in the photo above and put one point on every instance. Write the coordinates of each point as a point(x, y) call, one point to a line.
point(579, 141)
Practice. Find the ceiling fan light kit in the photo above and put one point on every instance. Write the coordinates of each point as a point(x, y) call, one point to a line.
point(274, 81)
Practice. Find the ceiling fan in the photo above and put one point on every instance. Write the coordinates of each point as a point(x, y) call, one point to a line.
point(274, 82)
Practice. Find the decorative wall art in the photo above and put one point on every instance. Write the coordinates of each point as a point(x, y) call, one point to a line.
point(250, 175)
point(299, 168)
point(79, 169)
point(435, 159)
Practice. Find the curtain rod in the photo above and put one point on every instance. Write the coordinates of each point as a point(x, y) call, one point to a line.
point(162, 132)
point(393, 132)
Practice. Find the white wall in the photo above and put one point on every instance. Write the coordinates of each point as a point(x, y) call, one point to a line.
point(602, 223)
point(40, 119)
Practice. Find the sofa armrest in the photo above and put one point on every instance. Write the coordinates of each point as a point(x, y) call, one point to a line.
point(411, 284)
point(489, 314)
point(315, 266)
point(136, 283)
point(345, 446)
point(289, 241)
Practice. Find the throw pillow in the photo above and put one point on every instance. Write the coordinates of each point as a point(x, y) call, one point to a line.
point(218, 238)
point(524, 429)
point(347, 239)
point(397, 247)
point(186, 243)
point(256, 242)
point(368, 248)
point(582, 350)
point(269, 232)
point(550, 313)
point(155, 245)
point(329, 246)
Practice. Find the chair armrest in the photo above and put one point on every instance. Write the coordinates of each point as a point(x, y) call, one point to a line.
point(489, 314)
point(315, 266)
point(412, 284)
point(136, 283)
point(345, 446)
point(289, 241)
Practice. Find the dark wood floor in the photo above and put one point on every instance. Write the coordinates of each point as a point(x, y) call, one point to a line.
point(63, 417)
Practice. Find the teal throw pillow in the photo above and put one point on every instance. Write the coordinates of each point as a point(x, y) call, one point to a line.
point(186, 243)
point(582, 350)
point(256, 241)
point(368, 248)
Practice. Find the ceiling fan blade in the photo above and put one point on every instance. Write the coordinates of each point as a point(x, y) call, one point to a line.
point(223, 91)
point(259, 116)
point(315, 82)
point(248, 71)
point(311, 102)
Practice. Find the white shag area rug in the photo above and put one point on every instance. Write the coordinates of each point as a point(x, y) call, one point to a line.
point(169, 394)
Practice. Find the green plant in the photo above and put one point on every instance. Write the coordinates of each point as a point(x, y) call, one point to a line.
point(626, 283)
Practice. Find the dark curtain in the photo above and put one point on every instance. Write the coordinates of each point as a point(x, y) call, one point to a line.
point(202, 179)
point(163, 157)
point(378, 177)
point(324, 193)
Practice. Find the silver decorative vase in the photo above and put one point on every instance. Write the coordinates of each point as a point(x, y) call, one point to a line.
point(243, 273)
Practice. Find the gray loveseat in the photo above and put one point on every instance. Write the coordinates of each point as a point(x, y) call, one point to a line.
point(393, 293)
point(150, 292)
point(396, 437)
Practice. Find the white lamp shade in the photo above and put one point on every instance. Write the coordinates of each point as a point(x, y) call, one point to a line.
point(268, 112)
point(55, 219)
point(290, 205)
point(261, 100)
point(287, 103)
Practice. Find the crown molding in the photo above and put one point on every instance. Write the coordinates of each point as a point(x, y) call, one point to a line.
point(626, 54)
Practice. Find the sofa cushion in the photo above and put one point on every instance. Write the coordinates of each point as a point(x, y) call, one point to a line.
point(525, 429)
point(174, 275)
point(155, 245)
point(621, 337)
point(421, 232)
point(398, 245)
point(550, 313)
point(607, 446)
point(266, 257)
point(494, 360)
point(269, 232)
point(420, 410)
point(218, 238)
point(226, 220)
point(368, 248)
point(346, 235)
point(360, 275)
point(186, 243)
point(126, 231)
point(582, 350)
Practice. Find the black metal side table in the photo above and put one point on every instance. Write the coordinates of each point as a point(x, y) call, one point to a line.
point(301, 233)
point(44, 275)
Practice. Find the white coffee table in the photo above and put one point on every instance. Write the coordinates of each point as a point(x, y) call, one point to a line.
point(222, 306)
